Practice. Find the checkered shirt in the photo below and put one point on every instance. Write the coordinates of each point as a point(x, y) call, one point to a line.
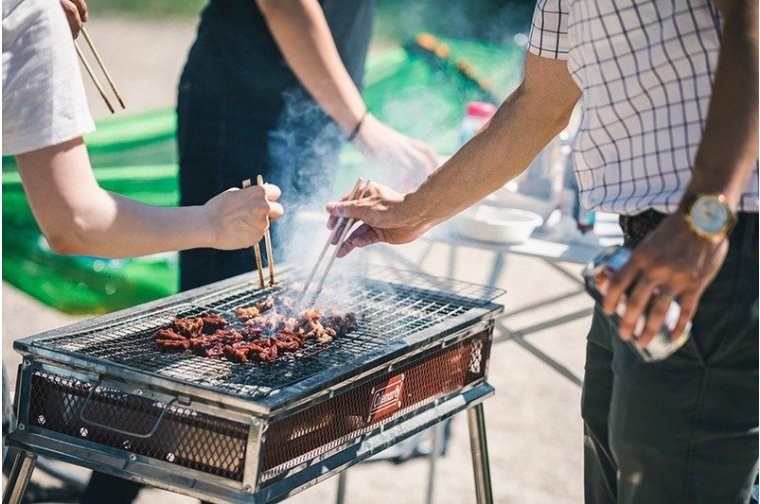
point(646, 69)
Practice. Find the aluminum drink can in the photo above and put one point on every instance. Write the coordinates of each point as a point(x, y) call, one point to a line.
point(597, 275)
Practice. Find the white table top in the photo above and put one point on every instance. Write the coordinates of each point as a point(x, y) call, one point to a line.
point(606, 229)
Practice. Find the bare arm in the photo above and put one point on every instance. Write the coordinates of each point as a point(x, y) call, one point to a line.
point(301, 31)
point(724, 161)
point(728, 151)
point(78, 217)
point(529, 118)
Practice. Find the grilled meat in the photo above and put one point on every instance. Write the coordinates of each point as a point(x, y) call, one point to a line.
point(270, 328)
point(212, 322)
point(245, 314)
point(172, 345)
point(188, 327)
point(167, 334)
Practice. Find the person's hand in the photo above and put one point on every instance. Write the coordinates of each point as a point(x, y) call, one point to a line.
point(76, 15)
point(386, 216)
point(671, 263)
point(407, 161)
point(238, 218)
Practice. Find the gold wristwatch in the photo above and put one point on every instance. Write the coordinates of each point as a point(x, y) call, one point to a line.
point(709, 216)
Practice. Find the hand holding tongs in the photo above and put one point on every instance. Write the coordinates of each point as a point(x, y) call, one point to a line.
point(341, 233)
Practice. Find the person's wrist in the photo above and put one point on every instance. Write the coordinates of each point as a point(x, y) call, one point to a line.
point(419, 212)
point(204, 222)
point(351, 136)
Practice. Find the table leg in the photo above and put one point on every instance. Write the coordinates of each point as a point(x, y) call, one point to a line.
point(22, 470)
point(479, 446)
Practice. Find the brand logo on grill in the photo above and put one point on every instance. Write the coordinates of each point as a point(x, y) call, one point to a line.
point(386, 398)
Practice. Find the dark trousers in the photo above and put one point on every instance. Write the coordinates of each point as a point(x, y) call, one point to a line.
point(683, 430)
point(222, 143)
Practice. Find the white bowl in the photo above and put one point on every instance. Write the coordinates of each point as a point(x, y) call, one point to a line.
point(497, 224)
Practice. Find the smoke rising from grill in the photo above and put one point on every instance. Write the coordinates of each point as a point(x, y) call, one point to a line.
point(307, 144)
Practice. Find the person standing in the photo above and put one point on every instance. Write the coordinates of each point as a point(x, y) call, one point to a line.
point(272, 87)
point(669, 140)
point(45, 116)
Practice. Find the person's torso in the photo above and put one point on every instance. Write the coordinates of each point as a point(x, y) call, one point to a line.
point(646, 69)
point(235, 53)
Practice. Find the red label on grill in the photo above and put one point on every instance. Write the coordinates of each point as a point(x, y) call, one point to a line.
point(386, 398)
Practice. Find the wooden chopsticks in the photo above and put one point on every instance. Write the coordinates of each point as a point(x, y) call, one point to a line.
point(267, 241)
point(343, 227)
point(102, 65)
point(256, 250)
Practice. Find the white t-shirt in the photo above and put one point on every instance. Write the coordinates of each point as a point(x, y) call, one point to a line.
point(43, 97)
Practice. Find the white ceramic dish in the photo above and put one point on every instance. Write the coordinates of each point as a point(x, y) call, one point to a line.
point(497, 224)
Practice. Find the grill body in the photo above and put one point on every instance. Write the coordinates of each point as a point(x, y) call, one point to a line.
point(97, 395)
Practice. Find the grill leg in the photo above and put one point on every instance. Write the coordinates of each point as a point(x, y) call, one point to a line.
point(341, 498)
point(479, 446)
point(437, 432)
point(19, 477)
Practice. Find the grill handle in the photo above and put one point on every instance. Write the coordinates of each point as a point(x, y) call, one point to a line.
point(141, 435)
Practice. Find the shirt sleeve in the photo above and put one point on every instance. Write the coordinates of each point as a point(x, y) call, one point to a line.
point(44, 102)
point(548, 31)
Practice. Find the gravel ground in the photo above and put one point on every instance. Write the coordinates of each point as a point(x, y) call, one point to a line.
point(534, 426)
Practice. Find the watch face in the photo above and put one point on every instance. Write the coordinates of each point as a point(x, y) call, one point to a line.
point(709, 215)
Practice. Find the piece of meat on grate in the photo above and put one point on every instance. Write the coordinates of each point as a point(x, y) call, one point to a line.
point(167, 334)
point(247, 313)
point(287, 341)
point(172, 345)
point(189, 327)
point(212, 322)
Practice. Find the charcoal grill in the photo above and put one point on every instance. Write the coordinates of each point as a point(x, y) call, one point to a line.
point(100, 395)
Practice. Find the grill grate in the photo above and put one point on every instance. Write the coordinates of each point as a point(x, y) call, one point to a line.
point(391, 309)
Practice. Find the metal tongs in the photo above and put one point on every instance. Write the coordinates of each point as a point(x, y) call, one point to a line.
point(342, 229)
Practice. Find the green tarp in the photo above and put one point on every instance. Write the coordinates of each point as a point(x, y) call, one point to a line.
point(407, 87)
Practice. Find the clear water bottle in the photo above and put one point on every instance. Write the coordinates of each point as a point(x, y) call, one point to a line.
point(597, 275)
point(476, 116)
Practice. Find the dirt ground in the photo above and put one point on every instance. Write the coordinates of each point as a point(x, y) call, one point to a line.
point(534, 425)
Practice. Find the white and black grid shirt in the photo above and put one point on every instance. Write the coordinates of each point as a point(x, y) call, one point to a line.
point(646, 69)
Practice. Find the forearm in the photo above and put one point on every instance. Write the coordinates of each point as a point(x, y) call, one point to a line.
point(109, 225)
point(729, 150)
point(523, 125)
point(300, 29)
point(78, 217)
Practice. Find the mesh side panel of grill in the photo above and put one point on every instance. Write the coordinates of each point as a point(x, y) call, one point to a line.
point(385, 311)
point(303, 436)
point(185, 437)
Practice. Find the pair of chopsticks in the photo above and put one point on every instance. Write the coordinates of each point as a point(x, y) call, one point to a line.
point(267, 243)
point(102, 68)
point(343, 227)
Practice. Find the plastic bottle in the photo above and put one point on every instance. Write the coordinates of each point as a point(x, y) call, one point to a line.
point(476, 116)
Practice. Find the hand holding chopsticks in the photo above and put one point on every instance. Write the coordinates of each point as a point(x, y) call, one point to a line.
point(340, 232)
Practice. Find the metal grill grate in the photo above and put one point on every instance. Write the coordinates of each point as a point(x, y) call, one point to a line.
point(390, 305)
point(183, 436)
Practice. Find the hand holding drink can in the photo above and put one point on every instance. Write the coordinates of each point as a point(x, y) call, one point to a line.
point(597, 275)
